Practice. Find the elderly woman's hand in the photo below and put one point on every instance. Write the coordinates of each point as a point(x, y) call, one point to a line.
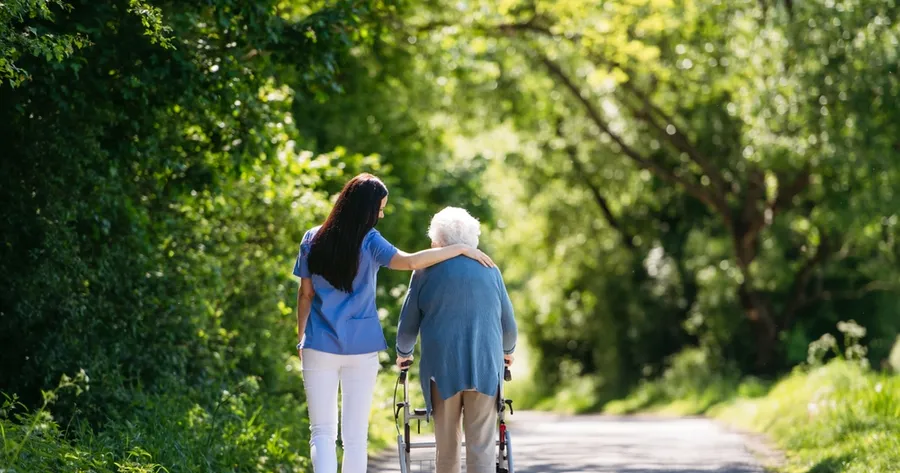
point(508, 359)
point(479, 256)
point(401, 360)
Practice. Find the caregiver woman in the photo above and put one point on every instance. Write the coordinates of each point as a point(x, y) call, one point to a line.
point(336, 315)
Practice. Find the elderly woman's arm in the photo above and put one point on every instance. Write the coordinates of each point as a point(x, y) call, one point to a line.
point(427, 258)
point(410, 319)
point(507, 319)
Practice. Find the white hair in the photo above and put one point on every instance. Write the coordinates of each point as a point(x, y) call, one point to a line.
point(454, 225)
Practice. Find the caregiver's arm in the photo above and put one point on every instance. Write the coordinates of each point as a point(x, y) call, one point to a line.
point(304, 304)
point(426, 258)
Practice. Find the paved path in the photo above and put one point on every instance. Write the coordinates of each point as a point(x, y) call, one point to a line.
point(548, 443)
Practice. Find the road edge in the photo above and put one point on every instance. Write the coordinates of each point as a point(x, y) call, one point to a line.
point(760, 446)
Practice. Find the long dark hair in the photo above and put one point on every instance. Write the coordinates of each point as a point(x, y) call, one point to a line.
point(334, 251)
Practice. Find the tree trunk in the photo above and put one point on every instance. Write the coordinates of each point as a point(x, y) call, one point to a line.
point(757, 310)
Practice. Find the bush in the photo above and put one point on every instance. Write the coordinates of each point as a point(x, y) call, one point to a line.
point(244, 430)
point(693, 382)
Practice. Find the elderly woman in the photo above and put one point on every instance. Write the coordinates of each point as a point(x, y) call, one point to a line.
point(465, 318)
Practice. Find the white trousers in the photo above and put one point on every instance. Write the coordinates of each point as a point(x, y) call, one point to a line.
point(356, 374)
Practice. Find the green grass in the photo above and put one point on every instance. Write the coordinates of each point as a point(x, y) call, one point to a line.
point(833, 419)
point(382, 429)
point(690, 386)
point(837, 418)
point(179, 431)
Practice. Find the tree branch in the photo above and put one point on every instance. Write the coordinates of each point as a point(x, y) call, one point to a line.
point(751, 219)
point(798, 184)
point(755, 220)
point(797, 296)
point(873, 286)
point(646, 163)
point(677, 139)
point(582, 174)
point(528, 26)
point(431, 26)
point(532, 26)
point(510, 29)
point(601, 201)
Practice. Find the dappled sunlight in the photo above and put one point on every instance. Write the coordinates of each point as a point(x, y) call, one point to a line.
point(693, 205)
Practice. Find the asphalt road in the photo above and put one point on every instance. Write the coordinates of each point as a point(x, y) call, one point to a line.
point(548, 443)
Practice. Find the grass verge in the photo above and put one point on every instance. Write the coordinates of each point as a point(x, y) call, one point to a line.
point(181, 431)
point(836, 418)
point(833, 419)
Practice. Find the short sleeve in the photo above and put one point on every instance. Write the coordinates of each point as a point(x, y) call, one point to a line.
point(380, 249)
point(301, 266)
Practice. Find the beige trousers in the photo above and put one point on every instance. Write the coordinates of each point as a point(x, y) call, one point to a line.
point(478, 413)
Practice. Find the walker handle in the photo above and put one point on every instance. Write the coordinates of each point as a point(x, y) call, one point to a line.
point(404, 368)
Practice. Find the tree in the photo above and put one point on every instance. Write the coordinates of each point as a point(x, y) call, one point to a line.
point(772, 119)
point(113, 147)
